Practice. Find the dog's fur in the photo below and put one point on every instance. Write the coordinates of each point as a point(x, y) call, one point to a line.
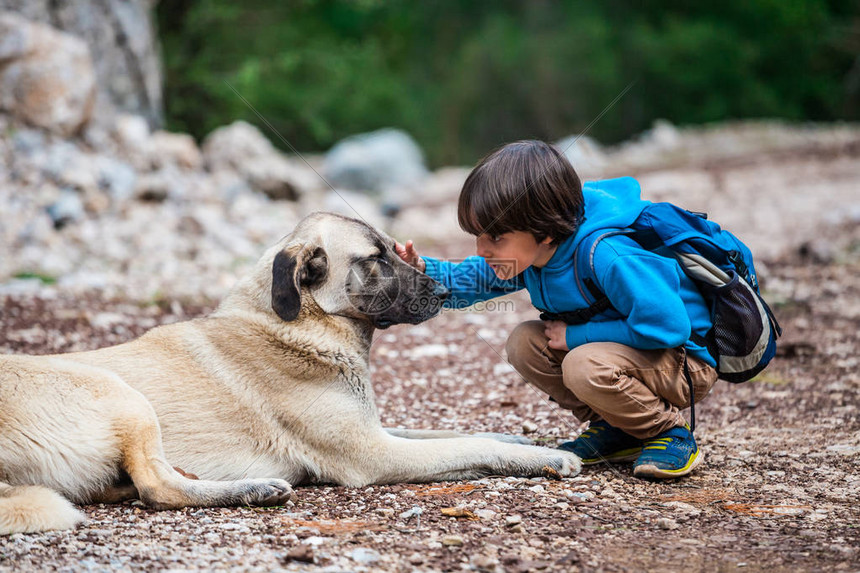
point(275, 385)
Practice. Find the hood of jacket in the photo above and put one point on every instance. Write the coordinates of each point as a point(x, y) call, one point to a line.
point(609, 204)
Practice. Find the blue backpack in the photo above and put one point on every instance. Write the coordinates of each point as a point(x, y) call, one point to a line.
point(743, 337)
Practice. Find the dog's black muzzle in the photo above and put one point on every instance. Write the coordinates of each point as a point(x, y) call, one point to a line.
point(414, 310)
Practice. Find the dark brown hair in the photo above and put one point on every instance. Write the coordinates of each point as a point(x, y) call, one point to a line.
point(523, 186)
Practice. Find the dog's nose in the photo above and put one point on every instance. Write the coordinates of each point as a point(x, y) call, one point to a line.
point(440, 292)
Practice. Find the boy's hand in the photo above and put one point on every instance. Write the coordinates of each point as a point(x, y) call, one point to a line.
point(409, 255)
point(556, 332)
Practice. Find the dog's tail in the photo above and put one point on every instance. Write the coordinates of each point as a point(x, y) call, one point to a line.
point(31, 508)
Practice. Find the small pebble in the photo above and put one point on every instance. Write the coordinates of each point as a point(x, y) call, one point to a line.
point(364, 555)
point(302, 554)
point(414, 511)
point(415, 559)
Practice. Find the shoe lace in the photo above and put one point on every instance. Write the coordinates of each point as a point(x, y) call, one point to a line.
point(659, 443)
point(592, 431)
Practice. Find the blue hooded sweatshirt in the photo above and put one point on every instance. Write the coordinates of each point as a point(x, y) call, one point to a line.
point(655, 304)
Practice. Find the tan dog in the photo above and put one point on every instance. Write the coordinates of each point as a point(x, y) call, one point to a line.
point(274, 385)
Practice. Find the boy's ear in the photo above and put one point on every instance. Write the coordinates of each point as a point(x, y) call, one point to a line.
point(547, 241)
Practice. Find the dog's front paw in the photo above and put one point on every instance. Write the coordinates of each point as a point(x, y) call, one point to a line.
point(268, 492)
point(568, 464)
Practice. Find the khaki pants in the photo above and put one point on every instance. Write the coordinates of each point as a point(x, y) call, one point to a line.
point(639, 391)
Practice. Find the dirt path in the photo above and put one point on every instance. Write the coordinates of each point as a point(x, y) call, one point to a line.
point(779, 491)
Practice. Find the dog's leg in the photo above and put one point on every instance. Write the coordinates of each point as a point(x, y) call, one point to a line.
point(388, 459)
point(424, 434)
point(162, 487)
point(439, 434)
point(116, 494)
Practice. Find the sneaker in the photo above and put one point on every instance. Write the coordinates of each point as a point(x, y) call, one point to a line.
point(604, 443)
point(672, 454)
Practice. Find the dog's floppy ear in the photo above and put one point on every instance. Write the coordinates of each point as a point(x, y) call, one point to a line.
point(290, 271)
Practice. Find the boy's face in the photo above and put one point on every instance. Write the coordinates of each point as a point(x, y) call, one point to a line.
point(511, 253)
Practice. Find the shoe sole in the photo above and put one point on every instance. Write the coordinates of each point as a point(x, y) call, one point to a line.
point(616, 458)
point(653, 472)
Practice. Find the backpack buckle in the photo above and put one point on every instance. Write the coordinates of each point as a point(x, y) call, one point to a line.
point(741, 267)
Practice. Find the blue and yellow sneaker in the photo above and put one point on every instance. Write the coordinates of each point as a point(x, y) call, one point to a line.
point(672, 454)
point(604, 443)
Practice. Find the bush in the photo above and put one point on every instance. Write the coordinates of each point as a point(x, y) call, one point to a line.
point(464, 77)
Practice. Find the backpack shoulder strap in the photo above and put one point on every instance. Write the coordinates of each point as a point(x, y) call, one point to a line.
point(586, 281)
point(588, 246)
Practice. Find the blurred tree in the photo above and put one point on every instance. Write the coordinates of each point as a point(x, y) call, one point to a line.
point(465, 76)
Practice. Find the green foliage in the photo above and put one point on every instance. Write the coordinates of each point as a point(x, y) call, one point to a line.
point(45, 279)
point(465, 76)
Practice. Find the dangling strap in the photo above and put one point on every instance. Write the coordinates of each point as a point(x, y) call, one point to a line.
point(581, 315)
point(692, 393)
point(708, 342)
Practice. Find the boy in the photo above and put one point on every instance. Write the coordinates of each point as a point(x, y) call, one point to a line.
point(623, 370)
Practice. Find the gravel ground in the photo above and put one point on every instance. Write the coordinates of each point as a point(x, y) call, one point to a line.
point(779, 490)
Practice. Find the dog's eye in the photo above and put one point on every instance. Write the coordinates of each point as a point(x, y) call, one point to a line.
point(380, 261)
point(377, 268)
point(375, 263)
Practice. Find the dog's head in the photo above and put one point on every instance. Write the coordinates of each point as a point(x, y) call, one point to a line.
point(349, 269)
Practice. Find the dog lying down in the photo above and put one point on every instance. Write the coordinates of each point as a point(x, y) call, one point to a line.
point(269, 391)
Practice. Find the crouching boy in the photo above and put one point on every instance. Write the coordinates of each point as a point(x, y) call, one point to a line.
point(623, 369)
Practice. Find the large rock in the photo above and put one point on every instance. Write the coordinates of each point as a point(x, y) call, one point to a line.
point(167, 148)
point(242, 148)
point(663, 135)
point(231, 146)
point(121, 38)
point(67, 209)
point(387, 162)
point(131, 132)
point(46, 76)
point(585, 154)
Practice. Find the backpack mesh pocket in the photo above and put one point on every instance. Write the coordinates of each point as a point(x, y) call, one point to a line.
point(738, 320)
point(742, 328)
